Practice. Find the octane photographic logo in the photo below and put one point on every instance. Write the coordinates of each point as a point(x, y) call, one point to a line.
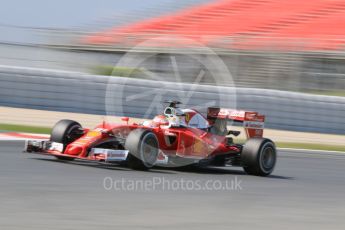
point(143, 95)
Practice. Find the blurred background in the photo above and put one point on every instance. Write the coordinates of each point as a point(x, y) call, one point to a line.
point(286, 57)
point(285, 45)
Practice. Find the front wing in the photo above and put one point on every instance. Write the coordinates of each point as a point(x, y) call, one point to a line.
point(96, 154)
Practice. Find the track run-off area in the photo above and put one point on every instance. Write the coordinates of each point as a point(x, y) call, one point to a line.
point(306, 191)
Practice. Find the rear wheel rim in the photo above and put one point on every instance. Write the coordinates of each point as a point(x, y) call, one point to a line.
point(268, 158)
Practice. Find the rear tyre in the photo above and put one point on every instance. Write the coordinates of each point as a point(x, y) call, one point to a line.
point(143, 149)
point(259, 156)
point(65, 132)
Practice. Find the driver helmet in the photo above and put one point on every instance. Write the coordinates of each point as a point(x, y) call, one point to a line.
point(177, 120)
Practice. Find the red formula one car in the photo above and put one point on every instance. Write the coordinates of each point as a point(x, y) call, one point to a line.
point(176, 138)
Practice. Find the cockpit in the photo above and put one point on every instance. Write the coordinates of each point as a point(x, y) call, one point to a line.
point(185, 117)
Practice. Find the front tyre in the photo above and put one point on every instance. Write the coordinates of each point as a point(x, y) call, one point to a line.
point(143, 149)
point(65, 132)
point(259, 156)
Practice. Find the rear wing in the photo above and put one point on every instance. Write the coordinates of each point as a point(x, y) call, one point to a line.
point(253, 122)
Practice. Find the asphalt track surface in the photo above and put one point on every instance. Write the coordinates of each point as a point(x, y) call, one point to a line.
point(306, 191)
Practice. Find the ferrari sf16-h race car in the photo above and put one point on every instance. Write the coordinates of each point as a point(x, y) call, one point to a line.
point(178, 137)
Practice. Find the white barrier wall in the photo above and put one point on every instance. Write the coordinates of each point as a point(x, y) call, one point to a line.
point(76, 92)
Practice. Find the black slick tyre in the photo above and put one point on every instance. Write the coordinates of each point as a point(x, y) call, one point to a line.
point(259, 156)
point(143, 149)
point(65, 132)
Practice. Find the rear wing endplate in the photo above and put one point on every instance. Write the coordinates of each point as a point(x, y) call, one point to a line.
point(253, 122)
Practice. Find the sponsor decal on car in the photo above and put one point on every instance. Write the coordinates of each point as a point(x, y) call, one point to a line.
point(56, 146)
point(110, 154)
point(253, 124)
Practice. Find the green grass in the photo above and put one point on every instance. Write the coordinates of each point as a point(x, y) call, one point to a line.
point(45, 130)
point(297, 145)
point(117, 71)
point(338, 93)
point(312, 146)
point(25, 128)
